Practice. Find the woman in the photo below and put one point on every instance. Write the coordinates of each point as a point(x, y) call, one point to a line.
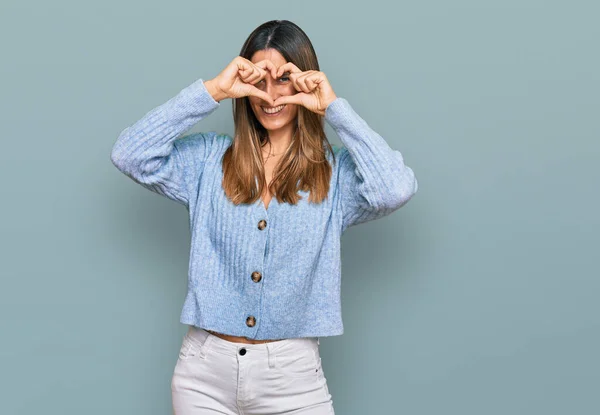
point(267, 210)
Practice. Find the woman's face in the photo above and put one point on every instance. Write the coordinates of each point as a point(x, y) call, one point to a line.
point(285, 117)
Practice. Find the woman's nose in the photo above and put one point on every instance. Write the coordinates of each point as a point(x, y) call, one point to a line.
point(270, 87)
point(271, 90)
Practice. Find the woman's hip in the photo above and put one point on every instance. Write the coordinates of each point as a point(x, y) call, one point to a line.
point(262, 378)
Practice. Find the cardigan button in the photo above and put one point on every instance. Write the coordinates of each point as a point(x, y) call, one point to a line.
point(250, 321)
point(262, 224)
point(256, 276)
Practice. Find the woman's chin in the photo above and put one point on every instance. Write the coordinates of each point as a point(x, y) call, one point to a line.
point(273, 125)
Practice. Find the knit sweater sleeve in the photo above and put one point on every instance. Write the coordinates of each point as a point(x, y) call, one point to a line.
point(152, 153)
point(373, 180)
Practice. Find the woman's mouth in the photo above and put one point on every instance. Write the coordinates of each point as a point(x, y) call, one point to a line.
point(272, 111)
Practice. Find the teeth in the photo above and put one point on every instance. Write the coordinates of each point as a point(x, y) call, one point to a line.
point(273, 110)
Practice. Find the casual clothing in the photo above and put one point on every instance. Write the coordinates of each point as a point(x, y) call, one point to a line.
point(213, 375)
point(262, 273)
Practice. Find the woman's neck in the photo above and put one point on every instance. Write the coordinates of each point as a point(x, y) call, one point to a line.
point(279, 140)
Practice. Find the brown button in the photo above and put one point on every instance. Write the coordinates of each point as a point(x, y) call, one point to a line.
point(262, 224)
point(250, 321)
point(256, 276)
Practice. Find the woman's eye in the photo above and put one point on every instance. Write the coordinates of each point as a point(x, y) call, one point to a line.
point(284, 77)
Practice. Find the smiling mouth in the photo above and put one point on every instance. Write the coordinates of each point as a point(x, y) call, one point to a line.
point(273, 110)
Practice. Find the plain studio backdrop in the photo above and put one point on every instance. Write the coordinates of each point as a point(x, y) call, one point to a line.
point(480, 296)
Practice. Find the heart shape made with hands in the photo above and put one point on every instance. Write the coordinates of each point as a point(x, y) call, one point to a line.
point(314, 90)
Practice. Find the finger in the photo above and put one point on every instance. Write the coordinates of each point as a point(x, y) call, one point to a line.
point(260, 68)
point(313, 81)
point(256, 73)
point(253, 91)
point(297, 99)
point(294, 78)
point(245, 73)
point(268, 65)
point(244, 69)
point(256, 76)
point(301, 81)
point(265, 64)
point(289, 66)
point(299, 78)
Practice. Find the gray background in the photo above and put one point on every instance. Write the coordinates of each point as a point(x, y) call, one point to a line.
point(478, 297)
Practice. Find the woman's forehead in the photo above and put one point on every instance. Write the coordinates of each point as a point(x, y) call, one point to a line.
point(272, 54)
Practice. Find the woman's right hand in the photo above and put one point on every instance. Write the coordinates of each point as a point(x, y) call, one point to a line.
point(238, 78)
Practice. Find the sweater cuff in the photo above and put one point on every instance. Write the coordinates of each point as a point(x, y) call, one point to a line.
point(338, 111)
point(198, 96)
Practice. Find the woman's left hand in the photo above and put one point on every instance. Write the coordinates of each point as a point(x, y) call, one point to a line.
point(315, 92)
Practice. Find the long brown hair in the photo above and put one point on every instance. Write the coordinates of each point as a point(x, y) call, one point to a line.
point(304, 165)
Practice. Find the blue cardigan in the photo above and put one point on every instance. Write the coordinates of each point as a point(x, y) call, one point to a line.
point(262, 273)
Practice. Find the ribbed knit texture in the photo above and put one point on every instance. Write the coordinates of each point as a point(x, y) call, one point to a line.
point(297, 253)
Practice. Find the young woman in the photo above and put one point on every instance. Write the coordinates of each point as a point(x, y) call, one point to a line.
point(267, 209)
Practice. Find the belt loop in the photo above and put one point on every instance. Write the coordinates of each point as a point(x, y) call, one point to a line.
point(270, 355)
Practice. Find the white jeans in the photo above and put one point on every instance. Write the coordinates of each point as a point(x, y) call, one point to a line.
point(216, 376)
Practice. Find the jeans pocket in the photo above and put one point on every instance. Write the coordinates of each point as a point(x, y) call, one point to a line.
point(299, 363)
point(190, 348)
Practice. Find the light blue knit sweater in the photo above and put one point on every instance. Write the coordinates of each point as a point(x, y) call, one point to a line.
point(262, 273)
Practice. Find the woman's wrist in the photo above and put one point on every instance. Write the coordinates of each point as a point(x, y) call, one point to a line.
point(214, 91)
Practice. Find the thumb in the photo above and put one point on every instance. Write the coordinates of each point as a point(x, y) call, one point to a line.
point(254, 91)
point(297, 99)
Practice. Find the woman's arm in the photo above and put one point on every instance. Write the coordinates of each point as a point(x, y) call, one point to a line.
point(150, 153)
point(373, 180)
